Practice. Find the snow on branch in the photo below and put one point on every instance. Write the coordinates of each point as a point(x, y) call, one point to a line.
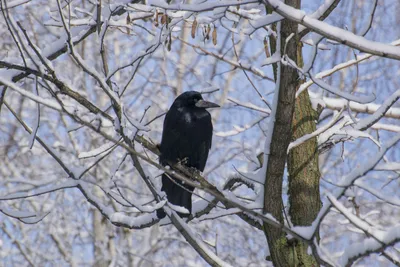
point(377, 193)
point(319, 131)
point(46, 102)
point(342, 131)
point(11, 4)
point(339, 104)
point(376, 239)
point(239, 129)
point(49, 150)
point(334, 33)
point(24, 216)
point(59, 47)
point(88, 69)
point(74, 174)
point(197, 244)
point(325, 73)
point(365, 123)
point(350, 97)
point(241, 65)
point(205, 6)
point(97, 151)
point(263, 21)
point(321, 13)
point(386, 127)
point(41, 191)
point(349, 180)
point(249, 105)
point(115, 217)
point(139, 222)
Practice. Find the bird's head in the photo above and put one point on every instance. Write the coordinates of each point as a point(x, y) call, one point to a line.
point(193, 99)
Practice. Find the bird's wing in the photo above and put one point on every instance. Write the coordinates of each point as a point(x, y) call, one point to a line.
point(172, 138)
point(203, 141)
point(186, 137)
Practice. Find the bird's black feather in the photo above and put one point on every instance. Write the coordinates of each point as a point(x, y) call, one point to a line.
point(186, 138)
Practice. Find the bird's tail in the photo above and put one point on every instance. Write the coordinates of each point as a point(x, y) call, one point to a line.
point(178, 194)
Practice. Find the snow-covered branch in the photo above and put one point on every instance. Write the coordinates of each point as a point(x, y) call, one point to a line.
point(352, 177)
point(339, 104)
point(46, 102)
point(206, 6)
point(321, 13)
point(319, 131)
point(376, 241)
point(379, 113)
point(334, 33)
point(341, 66)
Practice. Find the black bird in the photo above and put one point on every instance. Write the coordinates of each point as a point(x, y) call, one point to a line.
point(186, 138)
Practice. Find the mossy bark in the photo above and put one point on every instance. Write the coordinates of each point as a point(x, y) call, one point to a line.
point(295, 117)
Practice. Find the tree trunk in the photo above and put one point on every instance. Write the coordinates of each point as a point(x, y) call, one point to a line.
point(103, 238)
point(303, 168)
point(100, 238)
point(294, 118)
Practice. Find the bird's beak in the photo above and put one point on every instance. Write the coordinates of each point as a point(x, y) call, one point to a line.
point(206, 104)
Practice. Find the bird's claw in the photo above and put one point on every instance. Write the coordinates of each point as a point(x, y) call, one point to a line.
point(193, 171)
point(184, 161)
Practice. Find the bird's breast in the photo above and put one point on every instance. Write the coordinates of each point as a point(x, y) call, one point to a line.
point(187, 117)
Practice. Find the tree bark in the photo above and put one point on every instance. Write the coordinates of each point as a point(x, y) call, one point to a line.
point(101, 241)
point(304, 175)
point(281, 253)
point(294, 118)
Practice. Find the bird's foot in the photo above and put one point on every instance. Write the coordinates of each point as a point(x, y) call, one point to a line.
point(183, 161)
point(193, 171)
